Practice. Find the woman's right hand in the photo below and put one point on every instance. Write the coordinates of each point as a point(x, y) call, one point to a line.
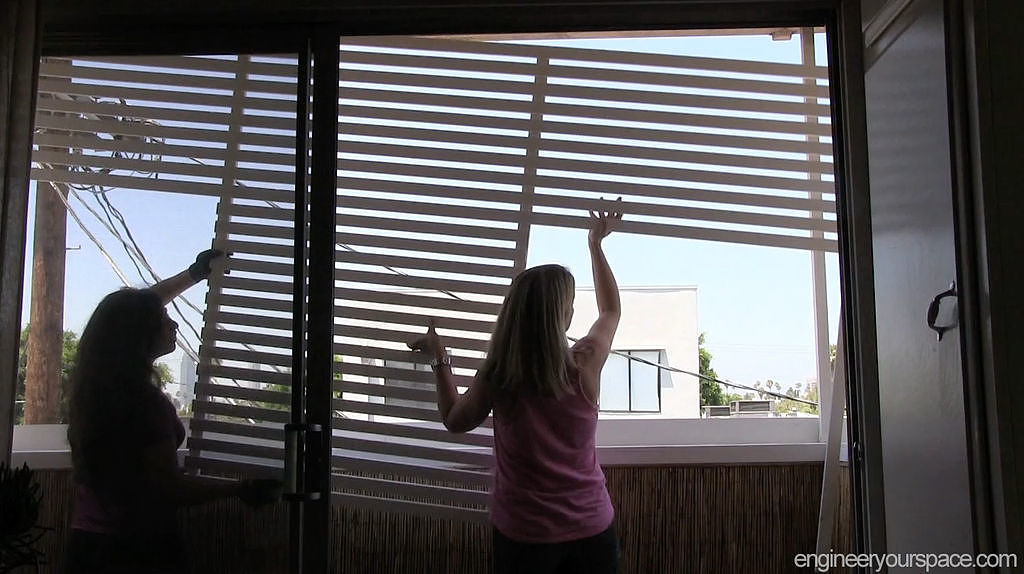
point(602, 223)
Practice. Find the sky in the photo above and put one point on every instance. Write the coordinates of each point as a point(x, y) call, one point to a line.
point(755, 303)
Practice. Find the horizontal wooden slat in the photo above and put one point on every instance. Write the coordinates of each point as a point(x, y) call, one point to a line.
point(432, 61)
point(640, 190)
point(439, 247)
point(635, 97)
point(208, 465)
point(343, 257)
point(243, 393)
point(397, 336)
point(393, 280)
point(245, 338)
point(240, 374)
point(377, 409)
point(254, 320)
point(414, 319)
point(165, 77)
point(689, 232)
point(665, 135)
point(424, 135)
point(481, 103)
point(387, 389)
point(259, 230)
point(453, 118)
point(603, 170)
point(394, 168)
point(405, 450)
point(677, 78)
point(510, 88)
point(236, 448)
point(443, 303)
point(264, 267)
point(50, 85)
point(421, 208)
point(383, 487)
point(204, 155)
point(197, 63)
point(427, 227)
point(425, 151)
point(257, 285)
point(202, 407)
point(154, 165)
point(403, 355)
point(251, 356)
point(127, 182)
point(660, 153)
point(654, 117)
point(691, 213)
point(254, 303)
point(508, 198)
point(415, 432)
point(238, 429)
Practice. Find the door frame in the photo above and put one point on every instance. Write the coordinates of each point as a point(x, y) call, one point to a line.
point(98, 27)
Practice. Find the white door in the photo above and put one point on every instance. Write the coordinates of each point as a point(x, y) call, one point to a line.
point(925, 463)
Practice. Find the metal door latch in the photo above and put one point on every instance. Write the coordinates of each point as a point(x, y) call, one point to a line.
point(933, 311)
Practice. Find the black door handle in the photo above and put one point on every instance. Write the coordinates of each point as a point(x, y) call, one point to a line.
point(933, 311)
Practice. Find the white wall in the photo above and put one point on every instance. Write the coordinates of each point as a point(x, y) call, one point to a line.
point(654, 318)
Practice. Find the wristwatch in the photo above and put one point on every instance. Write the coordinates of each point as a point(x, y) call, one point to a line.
point(445, 360)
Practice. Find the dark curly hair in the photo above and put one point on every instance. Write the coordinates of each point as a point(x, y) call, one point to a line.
point(113, 383)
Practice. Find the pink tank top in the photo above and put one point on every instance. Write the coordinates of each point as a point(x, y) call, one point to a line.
point(548, 485)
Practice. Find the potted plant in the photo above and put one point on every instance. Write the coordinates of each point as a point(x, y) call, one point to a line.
point(19, 512)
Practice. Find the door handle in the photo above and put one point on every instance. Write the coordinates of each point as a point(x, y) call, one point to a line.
point(933, 311)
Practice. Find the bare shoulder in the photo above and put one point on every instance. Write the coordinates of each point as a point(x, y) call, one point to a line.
point(589, 359)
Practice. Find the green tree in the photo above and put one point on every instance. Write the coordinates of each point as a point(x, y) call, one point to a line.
point(163, 375)
point(68, 353)
point(710, 391)
point(70, 349)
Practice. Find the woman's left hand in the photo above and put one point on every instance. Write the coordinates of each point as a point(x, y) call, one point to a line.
point(201, 268)
point(429, 343)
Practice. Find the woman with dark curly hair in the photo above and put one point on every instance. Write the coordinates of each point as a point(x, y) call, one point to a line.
point(125, 433)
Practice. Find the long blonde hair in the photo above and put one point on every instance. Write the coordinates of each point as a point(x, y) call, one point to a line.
point(528, 351)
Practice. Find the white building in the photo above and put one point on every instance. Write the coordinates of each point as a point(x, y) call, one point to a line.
point(658, 324)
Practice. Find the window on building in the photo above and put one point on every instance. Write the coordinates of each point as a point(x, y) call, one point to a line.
point(632, 386)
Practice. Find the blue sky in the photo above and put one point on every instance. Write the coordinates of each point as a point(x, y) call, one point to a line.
point(754, 303)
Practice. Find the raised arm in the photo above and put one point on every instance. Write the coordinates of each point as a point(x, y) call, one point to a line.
point(591, 352)
point(459, 413)
point(171, 287)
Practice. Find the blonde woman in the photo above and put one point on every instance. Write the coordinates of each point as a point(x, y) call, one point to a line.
point(550, 508)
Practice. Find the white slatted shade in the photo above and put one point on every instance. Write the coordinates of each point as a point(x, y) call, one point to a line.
point(221, 127)
point(449, 152)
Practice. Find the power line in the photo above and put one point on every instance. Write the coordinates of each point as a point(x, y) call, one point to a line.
point(707, 378)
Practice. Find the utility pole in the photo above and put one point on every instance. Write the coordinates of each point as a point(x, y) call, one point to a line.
point(46, 318)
